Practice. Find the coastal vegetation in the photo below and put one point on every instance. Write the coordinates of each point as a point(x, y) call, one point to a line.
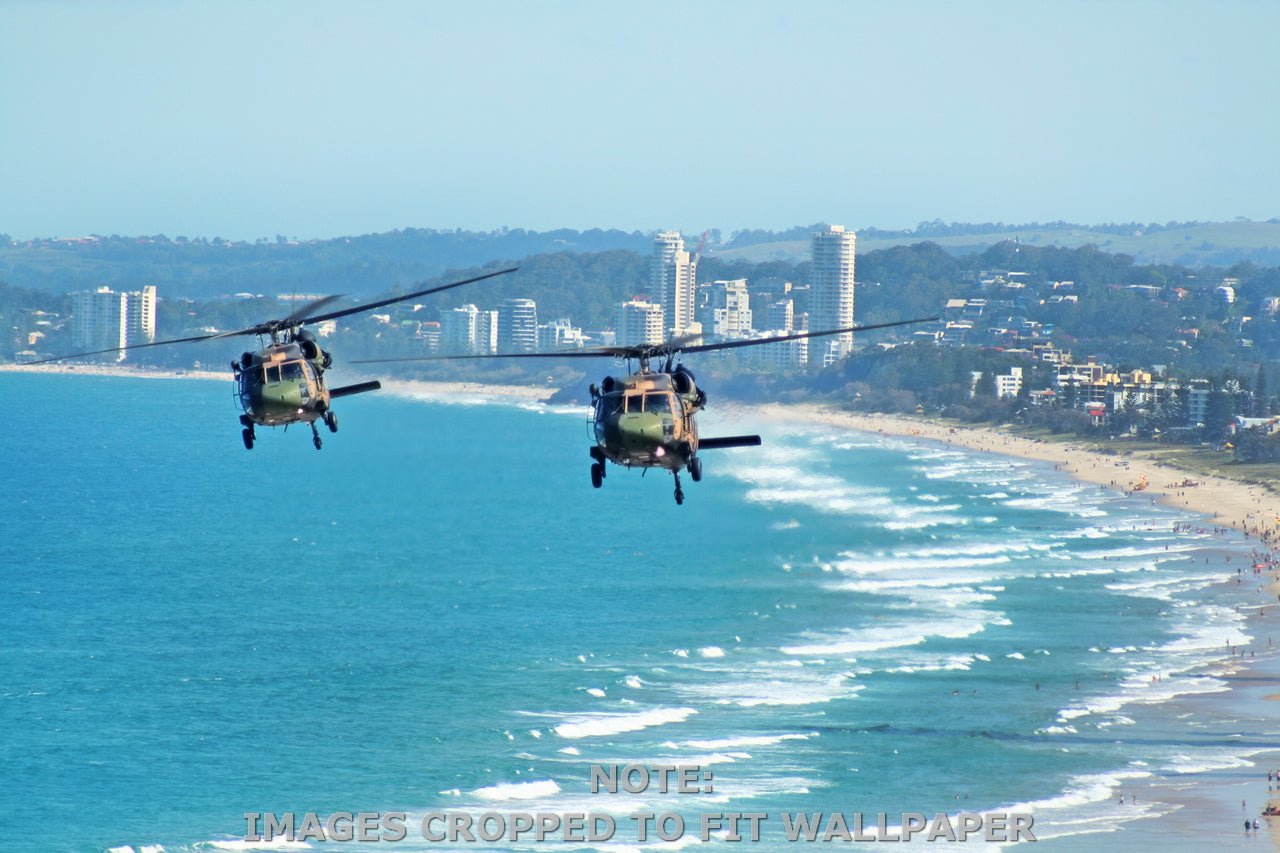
point(1170, 319)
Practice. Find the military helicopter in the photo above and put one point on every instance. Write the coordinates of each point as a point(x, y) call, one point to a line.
point(283, 382)
point(646, 419)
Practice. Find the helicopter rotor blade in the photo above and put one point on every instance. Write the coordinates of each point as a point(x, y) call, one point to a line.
point(369, 306)
point(798, 335)
point(670, 347)
point(595, 352)
point(313, 305)
point(294, 320)
point(133, 347)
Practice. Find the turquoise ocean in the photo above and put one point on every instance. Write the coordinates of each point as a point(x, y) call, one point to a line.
point(438, 612)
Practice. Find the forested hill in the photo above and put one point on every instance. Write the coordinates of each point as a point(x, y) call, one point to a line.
point(374, 263)
point(360, 266)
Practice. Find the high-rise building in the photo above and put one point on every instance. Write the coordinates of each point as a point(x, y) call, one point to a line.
point(782, 315)
point(727, 311)
point(672, 281)
point(639, 323)
point(104, 319)
point(487, 332)
point(831, 299)
point(518, 326)
point(458, 330)
point(560, 334)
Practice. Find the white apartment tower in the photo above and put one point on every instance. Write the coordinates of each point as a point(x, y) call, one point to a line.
point(487, 332)
point(831, 299)
point(518, 325)
point(639, 323)
point(727, 314)
point(782, 315)
point(672, 281)
point(104, 319)
point(458, 330)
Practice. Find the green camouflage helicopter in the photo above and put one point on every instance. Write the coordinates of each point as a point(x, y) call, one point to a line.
point(283, 382)
point(646, 419)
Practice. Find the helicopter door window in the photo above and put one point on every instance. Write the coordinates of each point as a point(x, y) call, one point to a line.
point(611, 405)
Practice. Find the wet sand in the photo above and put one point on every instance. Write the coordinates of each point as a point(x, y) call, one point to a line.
point(1207, 810)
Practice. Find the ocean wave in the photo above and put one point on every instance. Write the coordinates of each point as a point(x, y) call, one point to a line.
point(539, 790)
point(775, 692)
point(241, 844)
point(745, 740)
point(606, 723)
point(860, 640)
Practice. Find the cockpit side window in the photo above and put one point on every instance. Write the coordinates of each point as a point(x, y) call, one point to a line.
point(292, 370)
point(273, 373)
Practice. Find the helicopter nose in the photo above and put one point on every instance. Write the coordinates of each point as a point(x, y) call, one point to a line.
point(642, 432)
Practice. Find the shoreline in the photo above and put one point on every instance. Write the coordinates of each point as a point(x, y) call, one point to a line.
point(404, 387)
point(1250, 509)
point(1202, 800)
point(115, 371)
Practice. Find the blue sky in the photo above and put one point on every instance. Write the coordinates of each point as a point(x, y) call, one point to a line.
point(319, 119)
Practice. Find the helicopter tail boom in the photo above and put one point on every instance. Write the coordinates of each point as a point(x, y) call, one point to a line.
point(358, 388)
point(728, 441)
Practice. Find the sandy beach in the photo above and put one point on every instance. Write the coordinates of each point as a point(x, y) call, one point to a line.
point(1253, 510)
point(408, 387)
point(1209, 800)
point(116, 370)
point(1204, 800)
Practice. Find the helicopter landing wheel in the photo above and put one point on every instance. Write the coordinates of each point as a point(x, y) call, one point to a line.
point(597, 474)
point(247, 435)
point(331, 421)
point(695, 469)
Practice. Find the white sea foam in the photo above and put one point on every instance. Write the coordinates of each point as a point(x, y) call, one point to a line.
point(775, 692)
point(241, 844)
point(596, 692)
point(711, 652)
point(538, 790)
point(1203, 762)
point(745, 740)
point(861, 640)
point(603, 724)
point(1164, 588)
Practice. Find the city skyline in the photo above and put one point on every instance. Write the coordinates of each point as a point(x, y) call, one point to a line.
point(317, 120)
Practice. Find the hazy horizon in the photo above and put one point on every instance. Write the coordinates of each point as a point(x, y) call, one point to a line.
point(330, 119)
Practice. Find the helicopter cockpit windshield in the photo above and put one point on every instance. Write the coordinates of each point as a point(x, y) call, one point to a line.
point(658, 404)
